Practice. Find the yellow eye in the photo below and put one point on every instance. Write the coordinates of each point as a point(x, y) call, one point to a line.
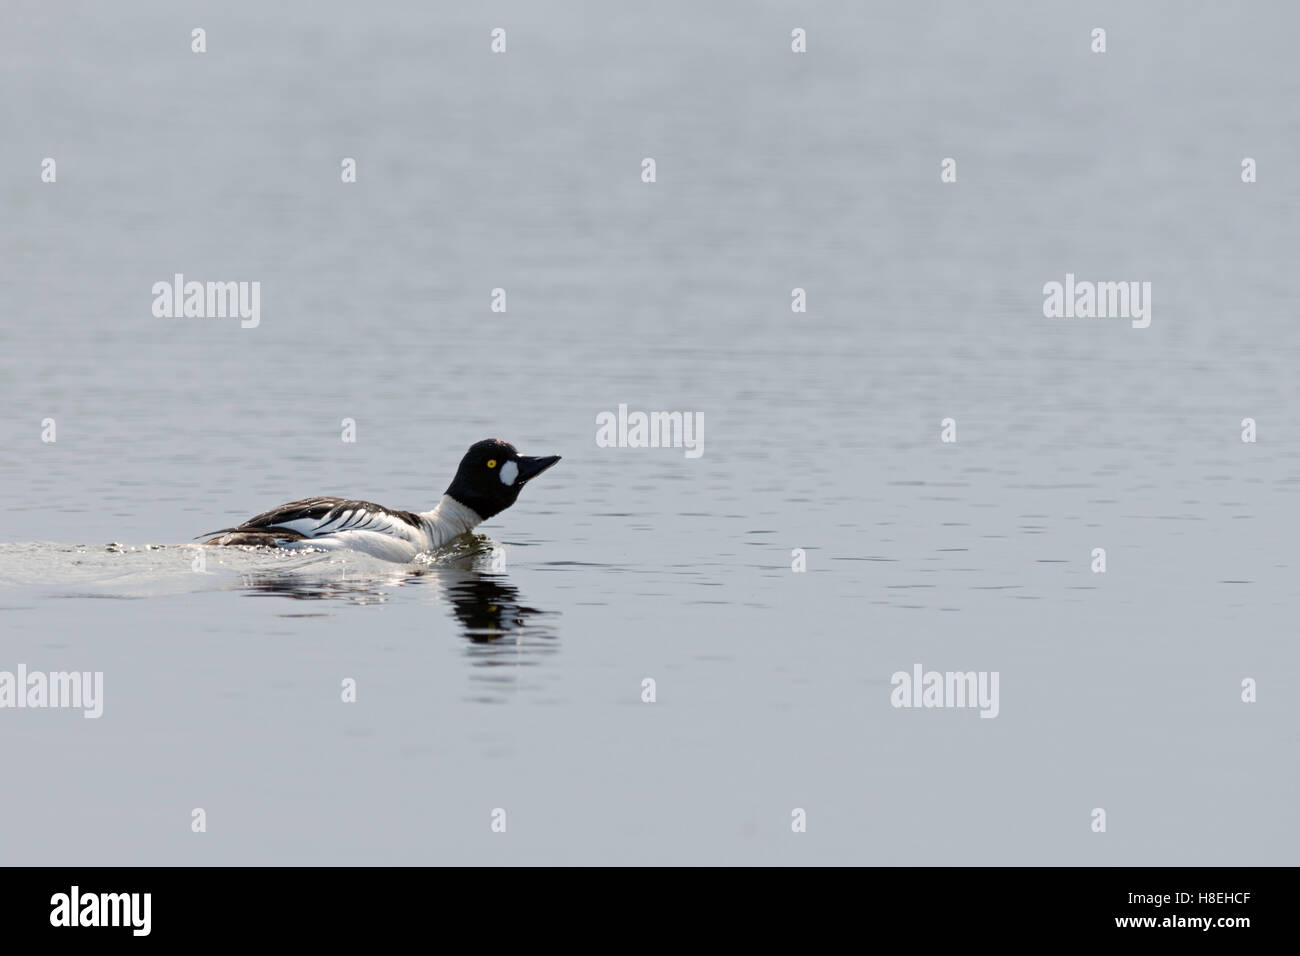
point(492, 463)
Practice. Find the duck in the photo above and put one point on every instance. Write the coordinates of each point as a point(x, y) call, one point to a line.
point(487, 482)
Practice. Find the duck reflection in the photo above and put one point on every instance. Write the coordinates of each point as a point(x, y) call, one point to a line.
point(489, 607)
point(502, 630)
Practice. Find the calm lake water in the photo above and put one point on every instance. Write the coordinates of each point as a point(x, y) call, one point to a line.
point(520, 688)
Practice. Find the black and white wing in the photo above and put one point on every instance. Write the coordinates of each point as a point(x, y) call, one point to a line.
point(314, 517)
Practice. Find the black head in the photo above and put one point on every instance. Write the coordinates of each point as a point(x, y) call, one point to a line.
point(492, 474)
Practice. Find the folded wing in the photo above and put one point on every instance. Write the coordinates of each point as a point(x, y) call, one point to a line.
point(314, 517)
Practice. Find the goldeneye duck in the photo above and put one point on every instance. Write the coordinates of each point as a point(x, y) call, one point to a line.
point(488, 481)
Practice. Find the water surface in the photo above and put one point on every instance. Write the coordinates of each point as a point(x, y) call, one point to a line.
point(519, 687)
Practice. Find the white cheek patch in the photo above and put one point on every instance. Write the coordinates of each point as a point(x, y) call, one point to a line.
point(509, 472)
